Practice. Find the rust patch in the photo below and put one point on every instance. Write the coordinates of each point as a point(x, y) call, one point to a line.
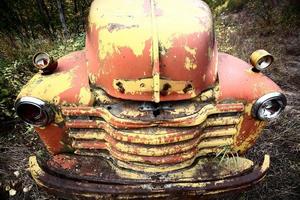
point(170, 139)
point(115, 27)
point(64, 162)
point(72, 184)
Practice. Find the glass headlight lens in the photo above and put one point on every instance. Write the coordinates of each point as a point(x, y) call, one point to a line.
point(34, 111)
point(269, 106)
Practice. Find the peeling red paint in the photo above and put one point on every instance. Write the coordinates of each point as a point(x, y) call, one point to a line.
point(238, 81)
point(53, 137)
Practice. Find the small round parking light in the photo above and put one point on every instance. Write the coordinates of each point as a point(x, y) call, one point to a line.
point(269, 106)
point(261, 59)
point(44, 63)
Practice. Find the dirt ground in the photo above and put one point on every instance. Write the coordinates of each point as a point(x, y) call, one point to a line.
point(239, 34)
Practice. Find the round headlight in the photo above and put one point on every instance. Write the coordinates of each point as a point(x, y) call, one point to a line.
point(269, 106)
point(34, 111)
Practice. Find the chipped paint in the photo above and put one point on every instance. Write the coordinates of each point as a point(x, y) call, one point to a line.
point(134, 27)
point(191, 51)
point(68, 84)
point(189, 64)
point(40, 86)
point(146, 85)
point(251, 85)
point(53, 137)
point(177, 147)
point(249, 130)
point(186, 121)
point(144, 40)
point(85, 96)
point(202, 177)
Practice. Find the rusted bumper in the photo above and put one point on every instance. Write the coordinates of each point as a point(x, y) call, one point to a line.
point(73, 180)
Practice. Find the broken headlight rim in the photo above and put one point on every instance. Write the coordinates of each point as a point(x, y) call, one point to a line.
point(34, 111)
point(269, 106)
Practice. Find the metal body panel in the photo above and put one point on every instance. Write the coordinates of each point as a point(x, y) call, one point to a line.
point(69, 84)
point(140, 188)
point(56, 141)
point(169, 48)
point(239, 82)
point(102, 170)
point(249, 128)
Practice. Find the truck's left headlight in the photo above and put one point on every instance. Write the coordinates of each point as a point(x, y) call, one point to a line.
point(34, 111)
point(269, 106)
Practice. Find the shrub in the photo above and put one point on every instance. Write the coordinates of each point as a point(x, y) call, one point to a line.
point(16, 71)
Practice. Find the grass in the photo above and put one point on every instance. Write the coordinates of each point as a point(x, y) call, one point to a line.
point(281, 139)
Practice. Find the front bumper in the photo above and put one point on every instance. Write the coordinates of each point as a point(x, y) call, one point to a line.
point(78, 177)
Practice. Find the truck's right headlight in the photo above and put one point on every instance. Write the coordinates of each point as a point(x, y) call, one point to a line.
point(269, 106)
point(34, 111)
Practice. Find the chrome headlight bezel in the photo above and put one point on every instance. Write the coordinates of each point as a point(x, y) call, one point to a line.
point(262, 101)
point(45, 111)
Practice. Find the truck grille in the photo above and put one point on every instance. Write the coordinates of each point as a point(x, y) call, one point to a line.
point(169, 142)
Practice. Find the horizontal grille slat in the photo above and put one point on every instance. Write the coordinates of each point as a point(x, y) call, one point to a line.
point(187, 121)
point(157, 150)
point(171, 141)
point(153, 139)
point(148, 167)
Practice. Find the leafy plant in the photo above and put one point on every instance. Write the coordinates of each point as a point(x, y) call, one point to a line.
point(15, 73)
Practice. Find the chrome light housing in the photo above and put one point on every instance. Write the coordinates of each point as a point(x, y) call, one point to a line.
point(261, 59)
point(34, 111)
point(44, 62)
point(269, 106)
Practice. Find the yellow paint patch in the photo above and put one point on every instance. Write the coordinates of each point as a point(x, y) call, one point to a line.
point(209, 94)
point(146, 85)
point(85, 96)
point(48, 87)
point(191, 51)
point(189, 64)
point(174, 22)
point(248, 142)
point(210, 53)
point(92, 78)
point(127, 24)
point(131, 113)
point(156, 87)
point(121, 24)
point(188, 110)
point(58, 118)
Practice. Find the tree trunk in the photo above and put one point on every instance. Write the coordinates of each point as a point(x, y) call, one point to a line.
point(45, 18)
point(62, 18)
point(12, 19)
point(76, 14)
point(47, 14)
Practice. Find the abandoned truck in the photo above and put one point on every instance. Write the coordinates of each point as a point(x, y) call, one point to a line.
point(150, 108)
